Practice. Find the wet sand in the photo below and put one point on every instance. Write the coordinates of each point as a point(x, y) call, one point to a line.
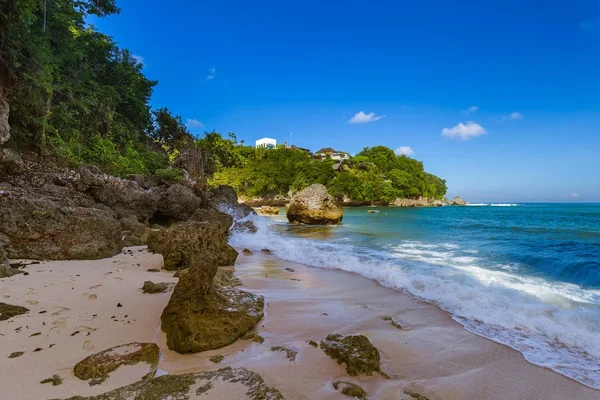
point(73, 305)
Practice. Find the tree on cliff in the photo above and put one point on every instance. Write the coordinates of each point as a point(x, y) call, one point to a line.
point(70, 89)
point(375, 175)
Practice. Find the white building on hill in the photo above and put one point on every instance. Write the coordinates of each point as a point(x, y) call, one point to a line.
point(267, 143)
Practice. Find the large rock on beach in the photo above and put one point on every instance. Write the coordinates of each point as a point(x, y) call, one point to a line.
point(218, 384)
point(45, 228)
point(193, 243)
point(201, 316)
point(314, 206)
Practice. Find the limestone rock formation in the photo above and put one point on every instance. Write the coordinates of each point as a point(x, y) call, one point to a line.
point(178, 202)
point(268, 210)
point(360, 356)
point(45, 216)
point(98, 366)
point(215, 384)
point(457, 201)
point(124, 196)
point(225, 199)
point(134, 233)
point(314, 206)
point(44, 228)
point(193, 243)
point(201, 316)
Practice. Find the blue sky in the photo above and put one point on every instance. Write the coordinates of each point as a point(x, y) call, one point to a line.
point(500, 98)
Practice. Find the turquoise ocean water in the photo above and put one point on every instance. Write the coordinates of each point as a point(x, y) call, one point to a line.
point(526, 275)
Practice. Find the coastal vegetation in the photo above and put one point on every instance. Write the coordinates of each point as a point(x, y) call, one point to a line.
point(67, 91)
point(375, 175)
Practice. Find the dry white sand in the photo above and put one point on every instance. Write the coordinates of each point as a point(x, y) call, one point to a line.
point(73, 304)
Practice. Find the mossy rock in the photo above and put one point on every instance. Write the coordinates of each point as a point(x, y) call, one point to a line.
point(350, 389)
point(289, 353)
point(360, 356)
point(193, 386)
point(193, 243)
point(98, 366)
point(415, 395)
point(196, 322)
point(16, 354)
point(224, 277)
point(151, 287)
point(55, 380)
point(8, 311)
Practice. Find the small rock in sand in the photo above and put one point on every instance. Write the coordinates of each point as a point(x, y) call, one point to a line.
point(247, 252)
point(151, 287)
point(55, 380)
point(16, 354)
point(266, 251)
point(8, 311)
point(216, 359)
point(290, 354)
point(350, 389)
point(289, 269)
point(153, 270)
point(258, 339)
point(360, 356)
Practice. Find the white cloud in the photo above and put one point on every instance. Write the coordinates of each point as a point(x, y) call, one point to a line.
point(515, 115)
point(470, 110)
point(404, 151)
point(361, 118)
point(464, 131)
point(590, 26)
point(193, 123)
point(211, 74)
point(139, 59)
point(575, 195)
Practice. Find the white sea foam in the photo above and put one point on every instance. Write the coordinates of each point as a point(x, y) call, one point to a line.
point(554, 324)
point(492, 205)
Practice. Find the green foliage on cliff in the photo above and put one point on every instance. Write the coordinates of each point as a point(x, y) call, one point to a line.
point(72, 92)
point(375, 175)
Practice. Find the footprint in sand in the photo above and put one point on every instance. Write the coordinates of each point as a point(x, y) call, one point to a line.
point(95, 286)
point(32, 302)
point(59, 324)
point(88, 346)
point(60, 310)
point(92, 297)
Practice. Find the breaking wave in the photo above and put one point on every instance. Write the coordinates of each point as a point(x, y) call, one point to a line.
point(553, 324)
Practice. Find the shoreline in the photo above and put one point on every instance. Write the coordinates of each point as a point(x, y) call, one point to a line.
point(431, 354)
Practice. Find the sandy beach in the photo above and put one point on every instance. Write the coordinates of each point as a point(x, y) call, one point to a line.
point(78, 308)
